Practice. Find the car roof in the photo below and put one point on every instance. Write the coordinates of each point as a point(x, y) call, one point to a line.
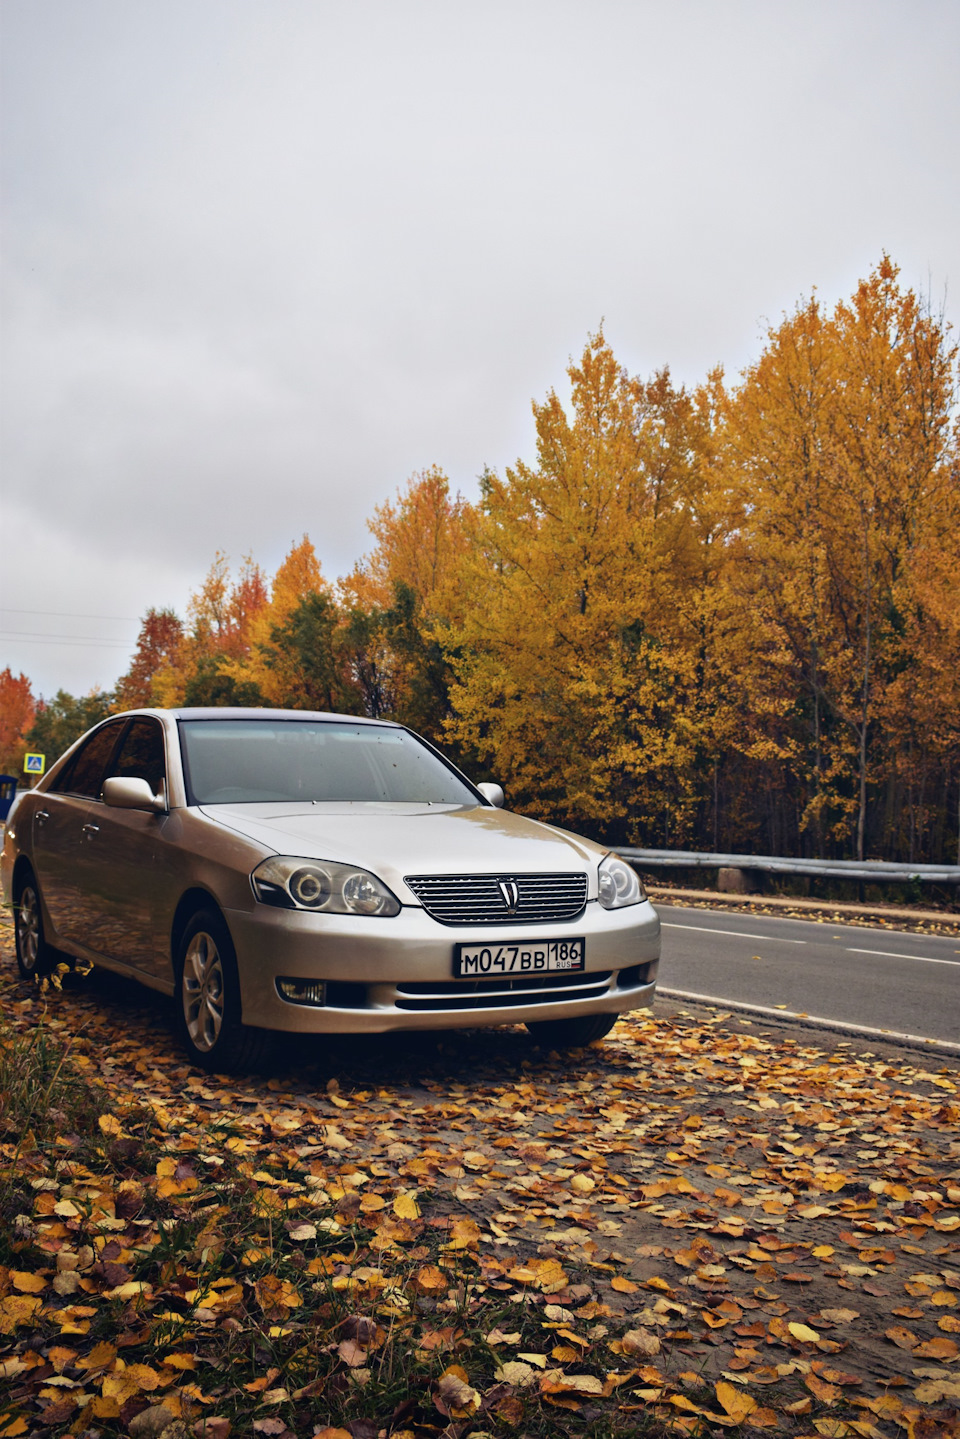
point(227, 712)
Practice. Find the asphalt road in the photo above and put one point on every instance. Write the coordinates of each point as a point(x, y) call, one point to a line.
point(873, 977)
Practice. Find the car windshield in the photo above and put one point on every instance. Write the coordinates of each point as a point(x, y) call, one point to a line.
point(272, 761)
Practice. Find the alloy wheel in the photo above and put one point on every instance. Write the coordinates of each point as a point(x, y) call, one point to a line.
point(203, 992)
point(28, 928)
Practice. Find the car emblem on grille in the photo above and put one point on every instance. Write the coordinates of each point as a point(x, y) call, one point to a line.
point(511, 894)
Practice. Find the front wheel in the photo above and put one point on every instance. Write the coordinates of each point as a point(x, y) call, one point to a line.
point(35, 957)
point(208, 999)
point(571, 1033)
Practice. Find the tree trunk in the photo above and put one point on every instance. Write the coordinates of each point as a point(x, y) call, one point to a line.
point(865, 708)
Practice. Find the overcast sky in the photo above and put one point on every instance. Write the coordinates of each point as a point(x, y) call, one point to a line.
point(262, 259)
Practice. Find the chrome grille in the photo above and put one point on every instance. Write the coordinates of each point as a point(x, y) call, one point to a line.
point(427, 995)
point(485, 898)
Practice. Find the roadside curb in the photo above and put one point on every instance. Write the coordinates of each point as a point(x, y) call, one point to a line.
point(810, 906)
point(815, 1021)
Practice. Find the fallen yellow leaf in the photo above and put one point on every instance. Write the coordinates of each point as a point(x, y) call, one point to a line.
point(405, 1205)
point(27, 1283)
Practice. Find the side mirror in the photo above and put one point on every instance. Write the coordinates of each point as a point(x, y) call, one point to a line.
point(492, 793)
point(121, 793)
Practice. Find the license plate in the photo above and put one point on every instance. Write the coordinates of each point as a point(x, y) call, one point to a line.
point(532, 956)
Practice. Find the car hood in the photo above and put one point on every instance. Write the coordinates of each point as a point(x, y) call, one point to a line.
point(394, 840)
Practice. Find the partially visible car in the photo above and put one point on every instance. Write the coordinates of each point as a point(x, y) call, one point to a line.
point(285, 872)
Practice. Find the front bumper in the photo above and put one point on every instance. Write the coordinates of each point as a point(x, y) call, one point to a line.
point(397, 974)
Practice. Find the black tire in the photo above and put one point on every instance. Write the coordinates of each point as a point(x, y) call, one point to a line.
point(35, 957)
point(571, 1033)
point(208, 1000)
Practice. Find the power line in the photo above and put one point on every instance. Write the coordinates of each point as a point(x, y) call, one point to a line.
point(68, 615)
point(85, 641)
point(59, 635)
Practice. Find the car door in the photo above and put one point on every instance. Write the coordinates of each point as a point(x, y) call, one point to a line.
point(61, 831)
point(126, 882)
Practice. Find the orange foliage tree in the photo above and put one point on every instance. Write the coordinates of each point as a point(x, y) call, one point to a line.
point(158, 644)
point(17, 709)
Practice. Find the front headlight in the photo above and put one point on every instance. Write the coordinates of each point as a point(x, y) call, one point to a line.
point(321, 886)
point(619, 884)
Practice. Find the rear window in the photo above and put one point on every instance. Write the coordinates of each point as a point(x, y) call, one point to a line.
point(272, 761)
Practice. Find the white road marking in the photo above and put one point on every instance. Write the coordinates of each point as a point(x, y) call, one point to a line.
point(864, 930)
point(891, 1035)
point(889, 954)
point(736, 933)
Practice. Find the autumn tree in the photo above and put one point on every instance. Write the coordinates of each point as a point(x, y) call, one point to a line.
point(574, 669)
point(421, 543)
point(838, 457)
point(893, 462)
point(293, 658)
point(17, 708)
point(221, 622)
point(159, 641)
point(401, 599)
point(918, 710)
point(368, 659)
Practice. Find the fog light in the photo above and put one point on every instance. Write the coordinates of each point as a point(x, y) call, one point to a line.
point(302, 991)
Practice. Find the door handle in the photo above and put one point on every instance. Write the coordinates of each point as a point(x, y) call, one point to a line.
point(41, 816)
point(91, 829)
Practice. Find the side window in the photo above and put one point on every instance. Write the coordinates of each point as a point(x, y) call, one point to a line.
point(61, 785)
point(84, 774)
point(141, 755)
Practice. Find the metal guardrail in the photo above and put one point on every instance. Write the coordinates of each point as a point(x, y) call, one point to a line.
point(878, 870)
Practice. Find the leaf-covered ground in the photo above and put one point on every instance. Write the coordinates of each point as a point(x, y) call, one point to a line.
point(700, 1225)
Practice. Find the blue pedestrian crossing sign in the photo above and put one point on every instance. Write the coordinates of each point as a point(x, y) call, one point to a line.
point(34, 763)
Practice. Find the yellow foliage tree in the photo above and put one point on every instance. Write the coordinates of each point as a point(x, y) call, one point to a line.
point(273, 663)
point(421, 543)
point(221, 621)
point(403, 597)
point(837, 449)
point(576, 678)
